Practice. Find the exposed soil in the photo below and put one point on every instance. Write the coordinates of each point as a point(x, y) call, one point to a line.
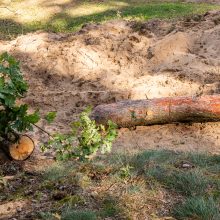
point(123, 60)
point(126, 60)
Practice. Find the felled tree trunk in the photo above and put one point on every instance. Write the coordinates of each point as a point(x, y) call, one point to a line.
point(20, 149)
point(159, 111)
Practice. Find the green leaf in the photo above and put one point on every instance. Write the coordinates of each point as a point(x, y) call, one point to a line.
point(33, 118)
point(50, 116)
point(2, 82)
point(13, 87)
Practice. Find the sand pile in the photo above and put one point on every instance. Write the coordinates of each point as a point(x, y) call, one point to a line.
point(126, 60)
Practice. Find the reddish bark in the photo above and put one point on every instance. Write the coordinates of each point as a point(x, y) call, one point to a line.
point(159, 111)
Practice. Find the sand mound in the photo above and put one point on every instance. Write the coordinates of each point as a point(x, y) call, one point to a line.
point(126, 60)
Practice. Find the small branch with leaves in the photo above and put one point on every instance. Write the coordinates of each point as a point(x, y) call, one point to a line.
point(85, 139)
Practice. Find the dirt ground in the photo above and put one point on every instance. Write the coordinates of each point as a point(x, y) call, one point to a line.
point(125, 60)
point(116, 61)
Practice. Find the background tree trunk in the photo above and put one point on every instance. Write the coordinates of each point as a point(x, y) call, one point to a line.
point(159, 111)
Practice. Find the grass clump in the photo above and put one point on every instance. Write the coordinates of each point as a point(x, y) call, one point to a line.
point(109, 208)
point(152, 156)
point(198, 208)
point(203, 160)
point(187, 183)
point(192, 183)
point(56, 172)
point(46, 216)
point(69, 214)
point(78, 215)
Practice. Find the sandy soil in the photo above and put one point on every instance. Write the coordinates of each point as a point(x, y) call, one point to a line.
point(125, 60)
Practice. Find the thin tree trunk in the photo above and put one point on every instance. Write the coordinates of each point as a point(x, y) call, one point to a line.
point(159, 111)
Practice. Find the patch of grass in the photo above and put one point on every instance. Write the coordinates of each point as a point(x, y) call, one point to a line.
point(65, 23)
point(109, 208)
point(187, 183)
point(192, 183)
point(72, 16)
point(198, 208)
point(46, 216)
point(78, 215)
point(135, 177)
point(201, 179)
point(156, 157)
point(165, 168)
point(56, 172)
point(203, 160)
point(120, 187)
point(72, 200)
point(165, 10)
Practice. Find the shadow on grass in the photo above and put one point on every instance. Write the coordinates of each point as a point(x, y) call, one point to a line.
point(63, 22)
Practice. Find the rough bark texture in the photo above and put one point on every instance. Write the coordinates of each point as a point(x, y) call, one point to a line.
point(4, 144)
point(159, 111)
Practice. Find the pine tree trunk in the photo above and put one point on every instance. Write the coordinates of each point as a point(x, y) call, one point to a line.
point(159, 111)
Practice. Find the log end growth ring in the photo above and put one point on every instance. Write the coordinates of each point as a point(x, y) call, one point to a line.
point(22, 149)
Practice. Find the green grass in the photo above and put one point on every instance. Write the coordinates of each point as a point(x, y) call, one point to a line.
point(78, 215)
point(69, 214)
point(191, 183)
point(56, 172)
point(112, 186)
point(198, 208)
point(93, 12)
point(198, 186)
point(109, 208)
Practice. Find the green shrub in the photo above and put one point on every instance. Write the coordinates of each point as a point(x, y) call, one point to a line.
point(13, 117)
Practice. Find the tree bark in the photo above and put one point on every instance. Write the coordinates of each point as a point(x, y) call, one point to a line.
point(159, 111)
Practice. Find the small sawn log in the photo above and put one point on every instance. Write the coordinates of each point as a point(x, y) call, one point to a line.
point(19, 149)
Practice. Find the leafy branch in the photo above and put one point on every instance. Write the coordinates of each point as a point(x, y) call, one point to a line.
point(13, 117)
point(84, 140)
